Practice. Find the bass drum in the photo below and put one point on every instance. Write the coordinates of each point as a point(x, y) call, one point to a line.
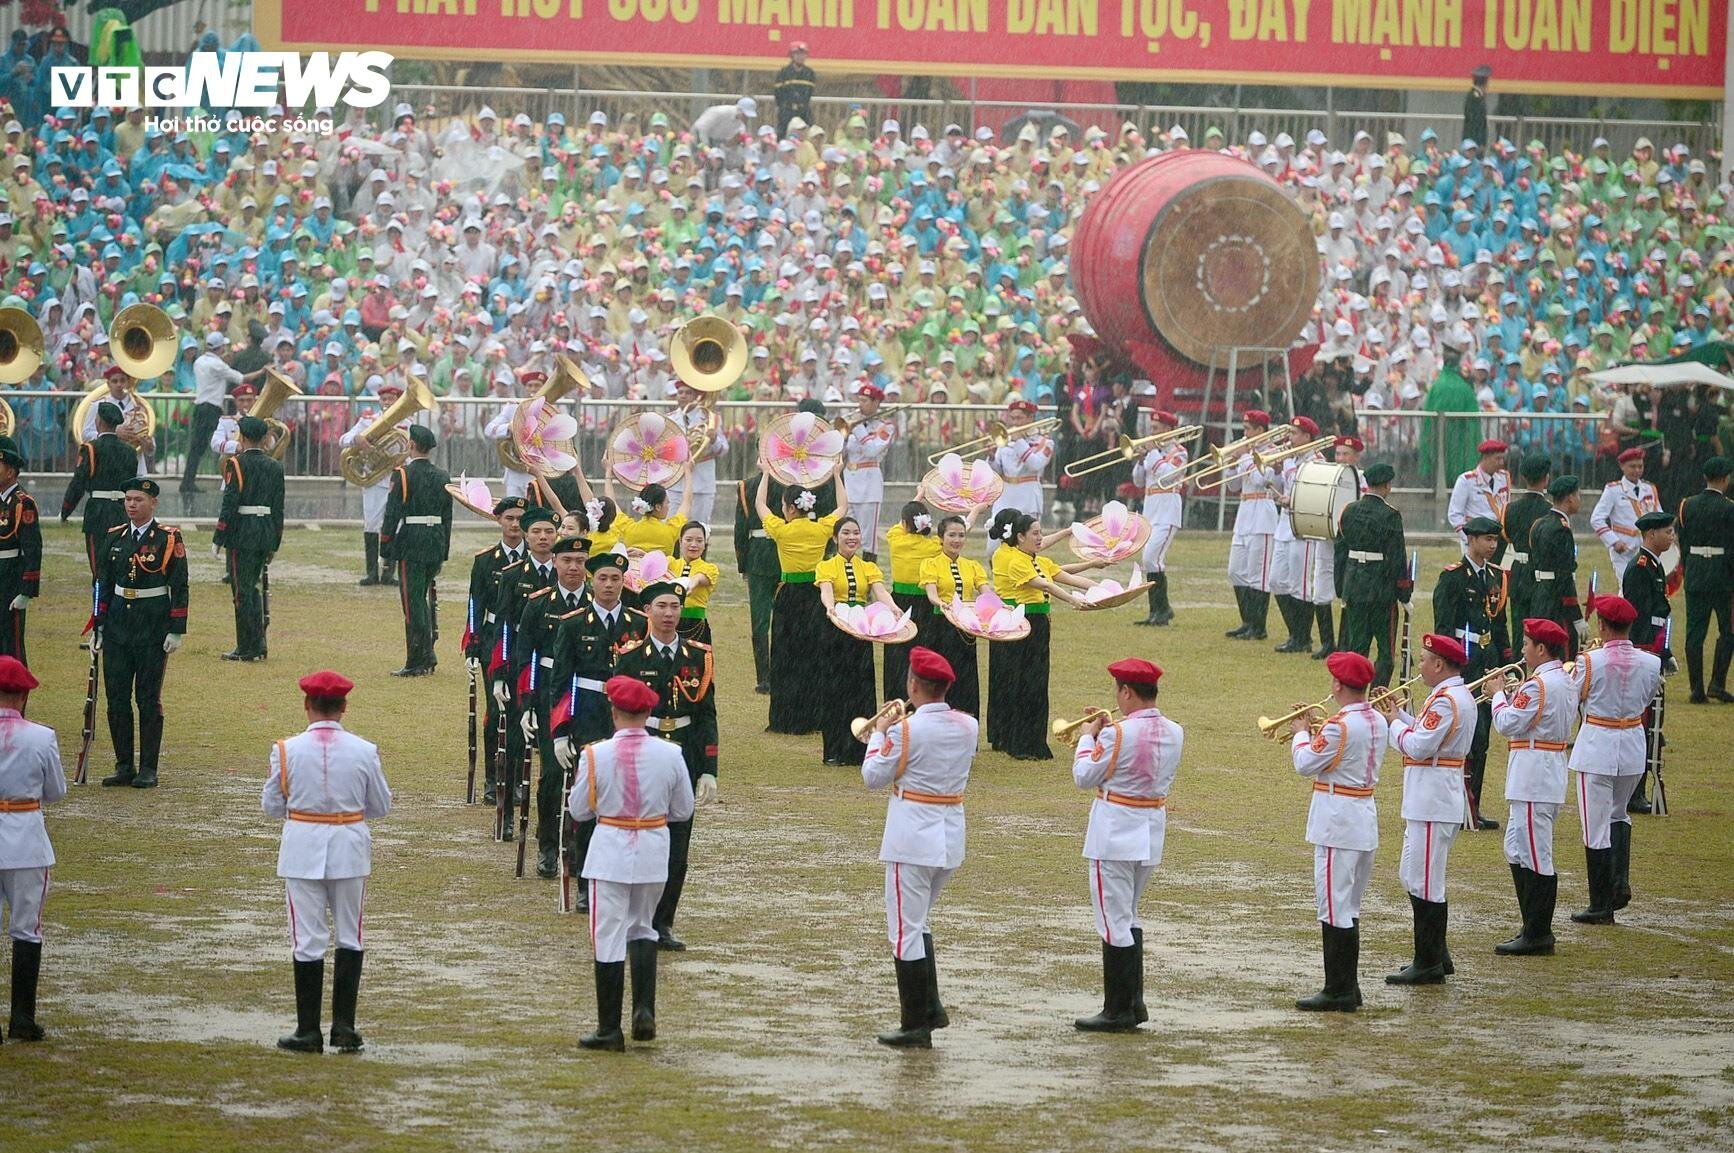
point(1321, 492)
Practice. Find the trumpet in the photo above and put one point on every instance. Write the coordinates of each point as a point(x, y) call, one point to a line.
point(998, 435)
point(1380, 696)
point(1589, 646)
point(1490, 681)
point(1272, 727)
point(1066, 732)
point(1217, 464)
point(1265, 460)
point(893, 711)
point(1130, 449)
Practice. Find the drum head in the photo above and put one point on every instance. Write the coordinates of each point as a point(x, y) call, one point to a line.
point(1321, 492)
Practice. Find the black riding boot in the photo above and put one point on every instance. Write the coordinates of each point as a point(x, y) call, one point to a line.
point(913, 1032)
point(1545, 887)
point(1287, 606)
point(642, 956)
point(1119, 992)
point(1621, 835)
point(1327, 632)
point(1428, 967)
point(1164, 610)
point(1338, 995)
point(1695, 674)
point(937, 1018)
point(1598, 872)
point(1138, 1009)
point(1154, 600)
point(1536, 936)
point(26, 968)
point(345, 988)
point(309, 989)
point(1259, 605)
point(610, 989)
point(1724, 655)
point(370, 570)
point(1241, 599)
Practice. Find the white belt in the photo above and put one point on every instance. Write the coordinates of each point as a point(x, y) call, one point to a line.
point(256, 510)
point(106, 494)
point(759, 534)
point(488, 618)
point(8, 554)
point(1544, 576)
point(1659, 620)
point(142, 594)
point(1517, 557)
point(427, 520)
point(589, 685)
point(1705, 550)
point(1366, 557)
point(667, 724)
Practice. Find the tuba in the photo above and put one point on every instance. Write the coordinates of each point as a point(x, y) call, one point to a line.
point(708, 354)
point(383, 445)
point(21, 353)
point(278, 388)
point(567, 379)
point(143, 342)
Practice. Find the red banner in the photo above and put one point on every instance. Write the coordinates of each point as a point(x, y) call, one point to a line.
point(1670, 48)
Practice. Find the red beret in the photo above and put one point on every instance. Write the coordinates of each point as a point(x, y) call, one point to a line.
point(1352, 669)
point(1445, 648)
point(1353, 442)
point(326, 683)
point(1307, 425)
point(1135, 671)
point(1544, 631)
point(244, 389)
point(1165, 417)
point(871, 390)
point(533, 378)
point(1492, 444)
point(630, 695)
point(14, 677)
point(1616, 611)
point(1256, 416)
point(930, 666)
point(389, 387)
point(115, 372)
point(1021, 405)
point(1631, 454)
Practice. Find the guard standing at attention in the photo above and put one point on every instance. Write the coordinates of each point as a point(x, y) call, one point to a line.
point(1372, 572)
point(1553, 563)
point(482, 623)
point(1706, 529)
point(30, 777)
point(417, 534)
point(20, 549)
point(756, 559)
point(533, 666)
point(1525, 509)
point(1645, 585)
point(794, 89)
point(1469, 606)
point(925, 757)
point(1623, 501)
point(1131, 767)
point(508, 675)
point(1342, 822)
point(104, 465)
point(250, 526)
point(325, 784)
point(140, 619)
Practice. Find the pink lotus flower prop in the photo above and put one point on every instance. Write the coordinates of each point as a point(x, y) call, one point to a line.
point(960, 487)
point(989, 616)
point(647, 569)
point(643, 454)
point(1115, 535)
point(548, 432)
point(806, 453)
point(1102, 590)
point(475, 492)
point(872, 620)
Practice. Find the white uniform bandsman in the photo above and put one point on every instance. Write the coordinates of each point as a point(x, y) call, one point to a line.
point(325, 784)
point(499, 429)
point(1157, 473)
point(702, 470)
point(374, 496)
point(1251, 550)
point(925, 758)
point(632, 785)
point(1615, 516)
point(864, 468)
point(1614, 685)
point(1301, 568)
point(30, 778)
point(1021, 464)
point(1480, 492)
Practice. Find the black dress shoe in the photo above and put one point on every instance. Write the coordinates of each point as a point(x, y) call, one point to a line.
point(120, 777)
point(1486, 823)
point(313, 1042)
point(488, 793)
point(412, 671)
point(1638, 805)
point(238, 655)
point(1722, 695)
point(546, 866)
point(368, 581)
point(666, 940)
point(613, 1041)
point(1698, 699)
point(1293, 645)
point(1323, 653)
point(762, 689)
point(146, 779)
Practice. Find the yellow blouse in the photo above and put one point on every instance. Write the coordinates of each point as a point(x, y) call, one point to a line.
point(1014, 569)
point(698, 598)
point(605, 541)
point(908, 552)
point(800, 543)
point(936, 571)
point(648, 533)
point(837, 571)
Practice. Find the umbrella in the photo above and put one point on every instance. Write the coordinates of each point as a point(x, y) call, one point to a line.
point(1043, 118)
point(1671, 374)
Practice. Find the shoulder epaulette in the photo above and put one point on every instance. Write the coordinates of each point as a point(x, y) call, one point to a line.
point(699, 645)
point(172, 530)
point(515, 564)
point(1453, 567)
point(486, 551)
point(1643, 560)
point(118, 527)
point(540, 593)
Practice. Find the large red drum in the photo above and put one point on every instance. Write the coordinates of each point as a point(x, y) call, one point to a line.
point(1197, 251)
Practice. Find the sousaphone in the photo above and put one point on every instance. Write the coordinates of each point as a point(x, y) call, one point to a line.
point(143, 341)
point(21, 353)
point(708, 354)
point(383, 446)
point(278, 388)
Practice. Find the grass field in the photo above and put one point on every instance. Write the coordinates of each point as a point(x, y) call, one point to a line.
point(167, 979)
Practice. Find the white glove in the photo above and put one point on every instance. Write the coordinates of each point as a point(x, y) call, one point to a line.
point(474, 664)
point(527, 724)
point(502, 694)
point(566, 752)
point(96, 640)
point(1582, 628)
point(172, 643)
point(20, 603)
point(706, 791)
point(216, 551)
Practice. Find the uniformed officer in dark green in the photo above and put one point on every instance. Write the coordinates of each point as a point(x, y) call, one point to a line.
point(1706, 531)
point(684, 676)
point(1645, 585)
point(250, 526)
point(538, 622)
point(1553, 563)
point(20, 550)
point(141, 615)
point(1523, 511)
point(1372, 571)
point(756, 560)
point(517, 582)
point(1469, 607)
point(481, 625)
point(417, 534)
point(585, 647)
point(104, 465)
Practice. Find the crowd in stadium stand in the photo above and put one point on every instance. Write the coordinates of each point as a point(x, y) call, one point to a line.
point(927, 259)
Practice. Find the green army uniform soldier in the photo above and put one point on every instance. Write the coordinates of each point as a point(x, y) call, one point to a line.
point(1525, 509)
point(1645, 585)
point(516, 583)
point(20, 551)
point(482, 626)
point(417, 534)
point(1706, 531)
point(538, 689)
point(104, 465)
point(250, 526)
point(1372, 571)
point(1469, 606)
point(1553, 563)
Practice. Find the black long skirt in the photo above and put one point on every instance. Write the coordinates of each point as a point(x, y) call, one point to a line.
point(960, 649)
point(798, 628)
point(896, 680)
point(695, 629)
point(1017, 689)
point(846, 679)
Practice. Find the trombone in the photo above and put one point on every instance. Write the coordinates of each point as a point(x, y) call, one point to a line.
point(1066, 732)
point(893, 711)
point(997, 436)
point(1272, 727)
point(1265, 460)
point(846, 424)
point(1130, 449)
point(1216, 463)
